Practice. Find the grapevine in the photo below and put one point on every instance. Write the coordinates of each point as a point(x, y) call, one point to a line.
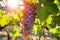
point(18, 16)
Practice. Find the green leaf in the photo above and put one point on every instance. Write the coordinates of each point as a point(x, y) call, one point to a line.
point(49, 20)
point(45, 10)
point(53, 8)
point(0, 16)
point(14, 33)
point(44, 1)
point(50, 0)
point(56, 19)
point(37, 29)
point(14, 21)
point(41, 1)
point(5, 20)
point(42, 13)
point(58, 31)
point(58, 0)
point(53, 25)
point(54, 22)
point(53, 31)
point(1, 11)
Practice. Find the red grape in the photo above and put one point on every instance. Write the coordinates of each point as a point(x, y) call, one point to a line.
point(28, 18)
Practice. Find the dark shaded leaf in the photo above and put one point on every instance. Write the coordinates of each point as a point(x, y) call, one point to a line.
point(50, 0)
point(59, 0)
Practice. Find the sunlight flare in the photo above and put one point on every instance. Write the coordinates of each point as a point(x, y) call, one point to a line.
point(12, 3)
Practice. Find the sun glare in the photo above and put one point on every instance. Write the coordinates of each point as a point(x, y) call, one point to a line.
point(21, 2)
point(15, 3)
point(12, 3)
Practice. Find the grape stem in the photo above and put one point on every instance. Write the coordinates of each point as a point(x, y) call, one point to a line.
point(43, 26)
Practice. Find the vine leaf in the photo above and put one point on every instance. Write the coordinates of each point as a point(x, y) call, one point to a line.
point(50, 0)
point(44, 1)
point(37, 27)
point(59, 0)
point(45, 10)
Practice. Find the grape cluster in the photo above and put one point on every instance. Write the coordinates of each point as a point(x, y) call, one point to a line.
point(28, 18)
